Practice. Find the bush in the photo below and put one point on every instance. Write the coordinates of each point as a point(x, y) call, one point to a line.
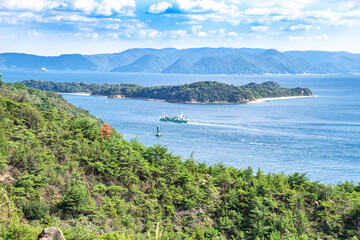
point(17, 231)
point(35, 210)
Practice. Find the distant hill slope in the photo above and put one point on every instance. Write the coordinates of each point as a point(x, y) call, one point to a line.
point(269, 61)
point(147, 63)
point(107, 62)
point(330, 62)
point(180, 66)
point(273, 61)
point(62, 62)
point(195, 61)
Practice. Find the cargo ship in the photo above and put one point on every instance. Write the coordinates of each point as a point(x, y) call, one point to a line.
point(180, 119)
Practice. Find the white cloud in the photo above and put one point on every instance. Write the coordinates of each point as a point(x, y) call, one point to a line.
point(238, 12)
point(113, 35)
point(201, 6)
point(196, 31)
point(87, 35)
point(301, 38)
point(33, 5)
point(85, 5)
point(300, 27)
point(105, 7)
point(258, 11)
point(200, 10)
point(123, 7)
point(259, 28)
point(322, 37)
point(136, 33)
point(99, 7)
point(177, 34)
point(213, 20)
point(71, 17)
point(34, 33)
point(196, 28)
point(159, 7)
point(284, 4)
point(233, 34)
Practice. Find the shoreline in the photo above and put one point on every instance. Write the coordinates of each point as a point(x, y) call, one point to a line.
point(76, 93)
point(260, 100)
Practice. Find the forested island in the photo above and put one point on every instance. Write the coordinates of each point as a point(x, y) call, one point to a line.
point(208, 92)
point(62, 167)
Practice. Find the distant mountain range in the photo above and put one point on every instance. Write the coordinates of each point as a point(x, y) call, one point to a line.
point(195, 61)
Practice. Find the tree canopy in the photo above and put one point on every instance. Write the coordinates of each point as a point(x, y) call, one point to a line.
point(60, 166)
point(198, 92)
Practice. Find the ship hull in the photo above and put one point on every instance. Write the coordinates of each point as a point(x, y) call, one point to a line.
point(177, 121)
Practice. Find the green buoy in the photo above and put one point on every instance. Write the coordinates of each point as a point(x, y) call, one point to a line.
point(158, 133)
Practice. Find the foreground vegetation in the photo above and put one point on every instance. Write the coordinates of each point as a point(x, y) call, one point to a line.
point(198, 92)
point(62, 167)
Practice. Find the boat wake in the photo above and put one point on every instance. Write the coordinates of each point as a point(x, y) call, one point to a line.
point(263, 131)
point(217, 125)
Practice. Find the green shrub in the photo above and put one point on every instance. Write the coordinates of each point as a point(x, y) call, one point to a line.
point(35, 210)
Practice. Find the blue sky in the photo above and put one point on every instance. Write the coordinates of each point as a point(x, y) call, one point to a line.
point(105, 26)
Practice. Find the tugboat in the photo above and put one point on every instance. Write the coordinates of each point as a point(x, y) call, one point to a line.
point(180, 119)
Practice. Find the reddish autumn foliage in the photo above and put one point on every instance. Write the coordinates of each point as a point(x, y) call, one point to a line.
point(106, 130)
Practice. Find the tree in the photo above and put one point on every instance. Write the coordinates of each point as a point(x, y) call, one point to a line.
point(106, 130)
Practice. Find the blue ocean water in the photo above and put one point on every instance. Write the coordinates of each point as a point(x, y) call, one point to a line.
point(319, 136)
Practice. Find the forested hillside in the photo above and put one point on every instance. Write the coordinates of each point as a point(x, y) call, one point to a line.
point(198, 92)
point(62, 167)
point(194, 61)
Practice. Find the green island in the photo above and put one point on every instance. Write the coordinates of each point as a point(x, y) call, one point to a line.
point(62, 167)
point(208, 92)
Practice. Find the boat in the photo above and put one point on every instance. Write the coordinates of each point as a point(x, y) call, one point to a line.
point(43, 69)
point(180, 119)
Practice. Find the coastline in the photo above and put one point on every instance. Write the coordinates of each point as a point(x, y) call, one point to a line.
point(96, 95)
point(260, 100)
point(149, 99)
point(76, 93)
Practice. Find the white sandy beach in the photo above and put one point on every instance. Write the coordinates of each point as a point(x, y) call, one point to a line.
point(260, 100)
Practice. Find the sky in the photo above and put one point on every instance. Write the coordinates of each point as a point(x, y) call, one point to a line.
point(54, 27)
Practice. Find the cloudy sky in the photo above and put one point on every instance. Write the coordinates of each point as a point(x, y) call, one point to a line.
point(52, 27)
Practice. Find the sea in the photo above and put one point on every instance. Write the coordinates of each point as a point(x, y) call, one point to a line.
point(319, 136)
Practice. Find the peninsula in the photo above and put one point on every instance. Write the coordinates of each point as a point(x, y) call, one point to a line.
point(206, 92)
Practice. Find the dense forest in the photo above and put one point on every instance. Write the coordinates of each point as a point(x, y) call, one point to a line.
point(198, 92)
point(62, 167)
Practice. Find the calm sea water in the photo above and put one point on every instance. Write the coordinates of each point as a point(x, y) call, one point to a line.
point(318, 136)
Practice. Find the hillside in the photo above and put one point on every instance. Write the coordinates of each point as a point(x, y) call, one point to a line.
point(269, 61)
point(330, 62)
point(62, 167)
point(147, 63)
point(62, 62)
point(195, 61)
point(208, 92)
